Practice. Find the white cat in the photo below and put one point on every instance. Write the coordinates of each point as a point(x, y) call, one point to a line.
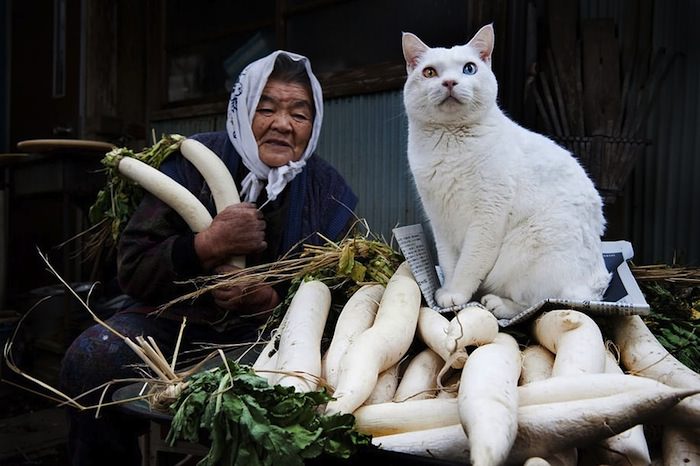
point(515, 217)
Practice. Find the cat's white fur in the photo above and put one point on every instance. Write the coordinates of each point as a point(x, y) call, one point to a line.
point(515, 217)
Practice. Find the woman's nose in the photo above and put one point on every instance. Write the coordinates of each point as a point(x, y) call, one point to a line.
point(282, 123)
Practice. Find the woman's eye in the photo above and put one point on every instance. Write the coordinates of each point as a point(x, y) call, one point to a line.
point(265, 111)
point(429, 72)
point(469, 68)
point(300, 117)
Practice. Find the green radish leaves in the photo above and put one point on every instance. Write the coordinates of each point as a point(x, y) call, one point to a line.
point(248, 422)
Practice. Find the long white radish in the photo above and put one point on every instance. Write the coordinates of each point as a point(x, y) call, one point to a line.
point(393, 418)
point(384, 390)
point(628, 447)
point(266, 362)
point(299, 354)
point(472, 326)
point(548, 428)
point(568, 457)
point(680, 447)
point(167, 190)
point(569, 388)
point(380, 346)
point(488, 399)
point(214, 171)
point(356, 316)
point(419, 380)
point(574, 338)
point(385, 418)
point(217, 176)
point(543, 429)
point(537, 364)
point(642, 354)
point(432, 330)
point(445, 443)
point(451, 385)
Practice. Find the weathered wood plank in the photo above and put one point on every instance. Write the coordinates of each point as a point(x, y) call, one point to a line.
point(601, 75)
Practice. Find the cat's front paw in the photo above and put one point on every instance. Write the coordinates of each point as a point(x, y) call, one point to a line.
point(446, 298)
point(500, 307)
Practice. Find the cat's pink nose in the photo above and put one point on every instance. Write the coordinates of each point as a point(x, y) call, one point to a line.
point(449, 83)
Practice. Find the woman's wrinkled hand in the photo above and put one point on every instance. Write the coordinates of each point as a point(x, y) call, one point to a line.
point(253, 301)
point(237, 230)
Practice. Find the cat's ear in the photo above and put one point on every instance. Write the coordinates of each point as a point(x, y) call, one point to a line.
point(413, 49)
point(483, 42)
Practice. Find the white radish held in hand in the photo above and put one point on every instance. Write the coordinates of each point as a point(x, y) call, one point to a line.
point(217, 176)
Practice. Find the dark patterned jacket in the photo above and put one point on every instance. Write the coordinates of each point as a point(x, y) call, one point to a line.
point(156, 249)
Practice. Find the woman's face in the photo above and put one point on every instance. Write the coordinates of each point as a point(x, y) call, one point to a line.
point(282, 123)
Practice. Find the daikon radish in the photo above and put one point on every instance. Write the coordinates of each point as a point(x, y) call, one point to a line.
point(642, 354)
point(300, 337)
point(568, 388)
point(384, 390)
point(214, 171)
point(472, 326)
point(217, 176)
point(548, 428)
point(379, 347)
point(385, 418)
point(626, 448)
point(451, 385)
point(167, 190)
point(537, 461)
point(392, 418)
point(537, 364)
point(543, 429)
point(445, 443)
point(568, 457)
point(574, 338)
point(404, 270)
point(680, 447)
point(419, 380)
point(488, 399)
point(432, 330)
point(266, 361)
point(356, 316)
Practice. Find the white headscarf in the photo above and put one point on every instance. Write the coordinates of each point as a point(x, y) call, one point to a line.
point(241, 109)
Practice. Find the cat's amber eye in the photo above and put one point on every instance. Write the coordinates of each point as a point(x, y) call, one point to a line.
point(469, 68)
point(429, 72)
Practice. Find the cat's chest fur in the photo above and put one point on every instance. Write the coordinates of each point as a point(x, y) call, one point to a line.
point(458, 168)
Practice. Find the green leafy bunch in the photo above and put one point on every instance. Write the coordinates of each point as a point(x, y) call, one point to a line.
point(249, 422)
point(675, 319)
point(116, 202)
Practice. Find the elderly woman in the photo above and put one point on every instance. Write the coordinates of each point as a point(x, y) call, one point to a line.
point(289, 196)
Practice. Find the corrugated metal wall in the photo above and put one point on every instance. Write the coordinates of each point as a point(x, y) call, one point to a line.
point(365, 138)
point(662, 200)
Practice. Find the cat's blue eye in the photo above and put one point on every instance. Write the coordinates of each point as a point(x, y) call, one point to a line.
point(469, 68)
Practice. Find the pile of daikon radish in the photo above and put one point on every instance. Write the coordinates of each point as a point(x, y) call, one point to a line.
point(456, 387)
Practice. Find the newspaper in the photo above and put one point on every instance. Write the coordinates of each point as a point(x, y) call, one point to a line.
point(623, 296)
